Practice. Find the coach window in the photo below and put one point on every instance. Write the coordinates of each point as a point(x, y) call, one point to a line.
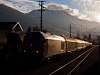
point(62, 45)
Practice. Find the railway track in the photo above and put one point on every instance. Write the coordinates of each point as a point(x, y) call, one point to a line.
point(69, 68)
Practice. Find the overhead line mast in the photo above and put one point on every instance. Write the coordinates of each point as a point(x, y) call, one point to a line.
point(41, 17)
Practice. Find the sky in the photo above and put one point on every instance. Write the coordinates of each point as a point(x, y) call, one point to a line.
point(82, 9)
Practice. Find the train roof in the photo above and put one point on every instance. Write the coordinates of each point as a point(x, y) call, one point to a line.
point(81, 41)
point(75, 40)
point(52, 36)
point(71, 39)
point(62, 38)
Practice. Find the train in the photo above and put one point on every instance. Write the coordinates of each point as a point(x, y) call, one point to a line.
point(43, 45)
point(37, 46)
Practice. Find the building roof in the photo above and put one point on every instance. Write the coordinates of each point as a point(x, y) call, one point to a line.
point(9, 26)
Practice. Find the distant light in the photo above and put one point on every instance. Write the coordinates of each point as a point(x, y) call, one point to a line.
point(30, 44)
point(24, 51)
point(48, 58)
point(37, 51)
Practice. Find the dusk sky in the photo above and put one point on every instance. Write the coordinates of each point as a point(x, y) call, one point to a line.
point(83, 9)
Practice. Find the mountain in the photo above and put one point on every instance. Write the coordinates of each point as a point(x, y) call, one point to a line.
point(55, 21)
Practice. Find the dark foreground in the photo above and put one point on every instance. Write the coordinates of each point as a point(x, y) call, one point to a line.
point(26, 67)
point(95, 68)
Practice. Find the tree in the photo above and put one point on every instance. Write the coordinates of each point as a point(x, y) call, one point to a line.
point(78, 35)
point(28, 30)
point(89, 37)
point(85, 37)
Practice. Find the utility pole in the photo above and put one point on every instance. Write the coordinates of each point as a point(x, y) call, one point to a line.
point(41, 10)
point(70, 31)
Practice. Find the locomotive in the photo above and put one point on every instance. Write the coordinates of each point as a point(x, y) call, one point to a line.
point(45, 45)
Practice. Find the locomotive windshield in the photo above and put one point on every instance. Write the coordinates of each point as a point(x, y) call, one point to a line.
point(33, 41)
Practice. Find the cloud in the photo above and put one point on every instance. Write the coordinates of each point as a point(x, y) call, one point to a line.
point(90, 8)
point(73, 12)
point(26, 6)
point(23, 6)
point(55, 6)
point(86, 9)
point(84, 17)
